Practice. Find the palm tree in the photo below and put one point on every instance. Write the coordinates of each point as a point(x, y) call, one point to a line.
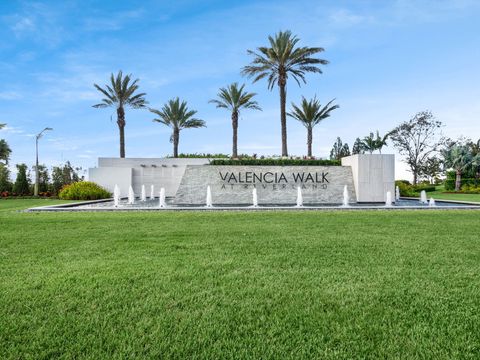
point(279, 61)
point(121, 94)
point(461, 159)
point(234, 99)
point(176, 115)
point(310, 114)
point(371, 143)
point(2, 126)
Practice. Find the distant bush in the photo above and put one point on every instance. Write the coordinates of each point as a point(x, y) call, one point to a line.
point(409, 190)
point(83, 190)
point(276, 162)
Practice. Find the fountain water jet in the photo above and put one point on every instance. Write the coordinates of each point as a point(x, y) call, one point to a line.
point(131, 196)
point(254, 197)
point(116, 195)
point(299, 197)
point(388, 199)
point(161, 201)
point(431, 203)
point(346, 197)
point(397, 193)
point(144, 194)
point(423, 197)
point(209, 198)
point(152, 192)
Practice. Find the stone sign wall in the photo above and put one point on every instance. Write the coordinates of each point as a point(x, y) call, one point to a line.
point(275, 184)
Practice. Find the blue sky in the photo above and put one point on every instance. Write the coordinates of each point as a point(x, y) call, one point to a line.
point(388, 60)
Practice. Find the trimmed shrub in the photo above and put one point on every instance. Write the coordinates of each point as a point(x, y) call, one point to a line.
point(202, 156)
point(276, 162)
point(83, 190)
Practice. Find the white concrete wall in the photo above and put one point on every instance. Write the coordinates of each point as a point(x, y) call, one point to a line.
point(160, 172)
point(109, 176)
point(373, 176)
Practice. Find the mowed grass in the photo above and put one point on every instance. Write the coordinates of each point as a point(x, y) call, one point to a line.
point(440, 195)
point(239, 285)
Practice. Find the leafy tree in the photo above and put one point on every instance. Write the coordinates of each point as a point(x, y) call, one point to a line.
point(311, 113)
point(64, 175)
point(475, 149)
point(461, 159)
point(339, 150)
point(43, 178)
point(357, 147)
point(121, 94)
point(417, 139)
point(234, 99)
point(22, 183)
point(276, 62)
point(5, 184)
point(177, 116)
point(5, 151)
point(431, 169)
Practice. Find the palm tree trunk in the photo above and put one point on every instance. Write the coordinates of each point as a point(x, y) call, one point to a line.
point(235, 130)
point(283, 115)
point(309, 141)
point(458, 180)
point(121, 127)
point(176, 139)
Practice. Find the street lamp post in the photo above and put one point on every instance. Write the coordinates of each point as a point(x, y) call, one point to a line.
point(39, 135)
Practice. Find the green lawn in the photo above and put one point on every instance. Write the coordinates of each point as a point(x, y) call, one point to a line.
point(439, 194)
point(224, 285)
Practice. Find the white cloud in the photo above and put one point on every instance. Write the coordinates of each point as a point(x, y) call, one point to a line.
point(10, 95)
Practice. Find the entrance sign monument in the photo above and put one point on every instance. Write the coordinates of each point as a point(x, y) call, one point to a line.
point(367, 177)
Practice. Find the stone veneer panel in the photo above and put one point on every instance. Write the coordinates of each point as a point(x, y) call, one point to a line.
point(320, 184)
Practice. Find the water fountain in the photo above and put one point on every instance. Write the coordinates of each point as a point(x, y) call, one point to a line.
point(299, 197)
point(131, 196)
point(254, 197)
point(397, 193)
point(116, 195)
point(161, 201)
point(209, 198)
point(431, 203)
point(388, 199)
point(143, 196)
point(346, 197)
point(423, 197)
point(152, 192)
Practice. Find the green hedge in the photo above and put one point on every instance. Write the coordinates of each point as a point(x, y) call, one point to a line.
point(202, 156)
point(406, 189)
point(276, 162)
point(83, 190)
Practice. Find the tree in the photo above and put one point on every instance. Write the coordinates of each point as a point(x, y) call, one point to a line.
point(311, 113)
point(417, 139)
point(234, 99)
point(373, 142)
point(22, 183)
point(177, 116)
point(43, 178)
point(339, 150)
point(5, 151)
point(64, 175)
point(5, 184)
point(461, 159)
point(475, 149)
point(121, 94)
point(431, 169)
point(369, 143)
point(357, 147)
point(283, 58)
